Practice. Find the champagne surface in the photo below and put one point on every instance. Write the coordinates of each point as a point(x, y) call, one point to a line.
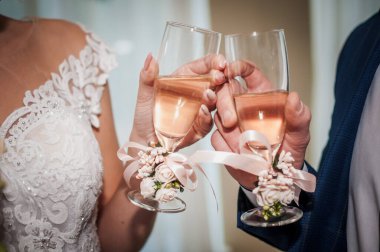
point(263, 112)
point(177, 102)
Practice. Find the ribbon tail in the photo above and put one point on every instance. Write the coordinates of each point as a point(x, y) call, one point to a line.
point(297, 193)
point(304, 180)
point(129, 171)
point(248, 163)
point(123, 156)
point(209, 182)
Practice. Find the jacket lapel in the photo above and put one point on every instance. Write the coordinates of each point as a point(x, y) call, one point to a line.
point(356, 68)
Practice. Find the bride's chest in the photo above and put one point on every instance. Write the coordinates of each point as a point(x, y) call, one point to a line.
point(52, 154)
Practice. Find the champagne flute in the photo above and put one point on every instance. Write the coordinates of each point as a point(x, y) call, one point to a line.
point(259, 82)
point(179, 89)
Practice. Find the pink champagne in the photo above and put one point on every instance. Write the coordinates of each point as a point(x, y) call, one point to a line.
point(177, 102)
point(263, 112)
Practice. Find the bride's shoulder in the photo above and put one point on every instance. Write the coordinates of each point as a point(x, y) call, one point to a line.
point(61, 32)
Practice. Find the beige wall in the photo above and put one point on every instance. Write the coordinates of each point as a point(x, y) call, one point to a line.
point(244, 16)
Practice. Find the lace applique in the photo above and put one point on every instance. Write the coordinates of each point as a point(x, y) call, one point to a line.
point(52, 165)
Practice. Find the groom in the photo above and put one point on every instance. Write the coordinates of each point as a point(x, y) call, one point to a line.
point(343, 213)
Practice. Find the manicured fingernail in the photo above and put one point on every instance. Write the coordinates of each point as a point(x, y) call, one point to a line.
point(227, 116)
point(205, 110)
point(210, 95)
point(221, 61)
point(147, 61)
point(300, 106)
point(222, 64)
point(220, 77)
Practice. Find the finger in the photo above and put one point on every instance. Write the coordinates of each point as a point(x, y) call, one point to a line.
point(225, 106)
point(205, 64)
point(255, 80)
point(241, 68)
point(209, 99)
point(230, 135)
point(297, 115)
point(149, 71)
point(144, 103)
point(218, 142)
point(201, 127)
point(147, 76)
point(217, 78)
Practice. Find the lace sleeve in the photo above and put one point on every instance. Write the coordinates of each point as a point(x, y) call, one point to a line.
point(92, 69)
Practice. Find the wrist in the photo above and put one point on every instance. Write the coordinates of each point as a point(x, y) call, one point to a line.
point(141, 138)
point(248, 188)
point(136, 137)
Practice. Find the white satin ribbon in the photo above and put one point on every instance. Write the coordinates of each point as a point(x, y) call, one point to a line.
point(182, 166)
point(254, 164)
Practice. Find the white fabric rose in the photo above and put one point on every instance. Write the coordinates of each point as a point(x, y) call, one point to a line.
point(147, 187)
point(164, 174)
point(286, 197)
point(269, 194)
point(166, 195)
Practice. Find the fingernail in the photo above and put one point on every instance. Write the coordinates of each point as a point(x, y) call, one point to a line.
point(300, 106)
point(220, 77)
point(147, 61)
point(227, 116)
point(210, 95)
point(222, 64)
point(205, 110)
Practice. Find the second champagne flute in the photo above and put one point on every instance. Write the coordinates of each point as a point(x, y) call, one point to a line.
point(259, 82)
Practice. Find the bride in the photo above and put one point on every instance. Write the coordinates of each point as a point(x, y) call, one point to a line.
point(64, 188)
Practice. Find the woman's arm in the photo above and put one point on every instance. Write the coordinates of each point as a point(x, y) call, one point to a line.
point(121, 225)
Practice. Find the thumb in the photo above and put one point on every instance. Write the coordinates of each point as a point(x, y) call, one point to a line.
point(297, 115)
point(297, 134)
point(147, 76)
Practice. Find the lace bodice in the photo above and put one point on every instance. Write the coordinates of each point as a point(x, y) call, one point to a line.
point(52, 166)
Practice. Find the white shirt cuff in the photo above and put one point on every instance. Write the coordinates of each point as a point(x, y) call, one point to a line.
point(251, 196)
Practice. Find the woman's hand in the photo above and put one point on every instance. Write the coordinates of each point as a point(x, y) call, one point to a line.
point(143, 129)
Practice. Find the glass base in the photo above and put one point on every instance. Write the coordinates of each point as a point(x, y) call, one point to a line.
point(175, 206)
point(255, 218)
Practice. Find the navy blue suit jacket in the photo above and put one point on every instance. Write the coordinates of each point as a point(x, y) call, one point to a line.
point(323, 226)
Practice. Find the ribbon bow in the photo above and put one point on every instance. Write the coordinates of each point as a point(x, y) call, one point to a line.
point(304, 180)
point(178, 164)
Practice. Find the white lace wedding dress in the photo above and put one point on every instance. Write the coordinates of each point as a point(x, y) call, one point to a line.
point(52, 165)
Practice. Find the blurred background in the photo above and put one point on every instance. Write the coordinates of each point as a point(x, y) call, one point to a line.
point(315, 31)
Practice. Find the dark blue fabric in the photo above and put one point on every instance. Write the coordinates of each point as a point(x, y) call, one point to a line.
point(323, 226)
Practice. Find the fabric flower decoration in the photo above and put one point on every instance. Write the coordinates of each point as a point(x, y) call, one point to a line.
point(166, 195)
point(147, 187)
point(164, 174)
